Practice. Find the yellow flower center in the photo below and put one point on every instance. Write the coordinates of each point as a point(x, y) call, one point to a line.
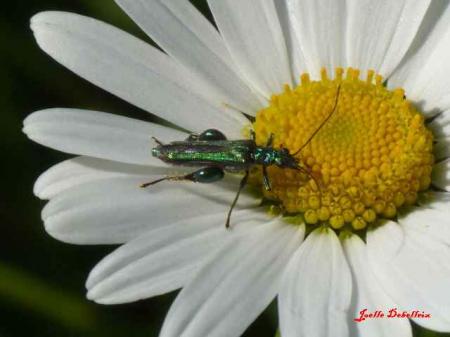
point(372, 156)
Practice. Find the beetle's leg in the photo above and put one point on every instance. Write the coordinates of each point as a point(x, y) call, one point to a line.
point(192, 137)
point(266, 180)
point(157, 141)
point(270, 141)
point(172, 178)
point(212, 134)
point(204, 175)
point(241, 186)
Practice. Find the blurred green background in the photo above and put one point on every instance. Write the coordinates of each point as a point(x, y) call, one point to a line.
point(42, 280)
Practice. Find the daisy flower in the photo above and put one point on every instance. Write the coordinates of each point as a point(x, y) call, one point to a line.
point(373, 232)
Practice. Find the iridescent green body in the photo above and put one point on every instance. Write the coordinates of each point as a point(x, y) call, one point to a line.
point(231, 155)
point(211, 151)
point(214, 153)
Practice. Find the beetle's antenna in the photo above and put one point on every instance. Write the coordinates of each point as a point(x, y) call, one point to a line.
point(323, 122)
point(229, 106)
point(309, 174)
point(157, 141)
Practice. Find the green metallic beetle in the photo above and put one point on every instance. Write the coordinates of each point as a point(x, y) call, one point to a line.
point(215, 154)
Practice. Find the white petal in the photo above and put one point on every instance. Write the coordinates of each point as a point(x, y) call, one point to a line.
point(252, 32)
point(164, 259)
point(424, 72)
point(379, 33)
point(132, 70)
point(432, 219)
point(297, 60)
point(413, 270)
point(98, 134)
point(315, 294)
point(368, 295)
point(234, 287)
point(436, 200)
point(319, 26)
point(81, 170)
point(440, 125)
point(441, 148)
point(441, 175)
point(192, 40)
point(115, 211)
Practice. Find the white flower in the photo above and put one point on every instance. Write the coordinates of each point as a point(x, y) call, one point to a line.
point(173, 233)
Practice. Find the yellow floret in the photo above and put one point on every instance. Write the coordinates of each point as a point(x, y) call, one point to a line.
point(370, 158)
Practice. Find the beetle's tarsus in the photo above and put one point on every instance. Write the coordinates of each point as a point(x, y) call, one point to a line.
point(173, 178)
point(266, 180)
point(270, 140)
point(241, 186)
point(253, 135)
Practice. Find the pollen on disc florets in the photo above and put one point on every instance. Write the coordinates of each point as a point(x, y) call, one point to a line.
point(371, 157)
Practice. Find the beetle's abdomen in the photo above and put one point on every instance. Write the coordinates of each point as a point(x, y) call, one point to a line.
point(225, 154)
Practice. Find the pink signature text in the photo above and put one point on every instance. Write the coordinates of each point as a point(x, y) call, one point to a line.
point(392, 313)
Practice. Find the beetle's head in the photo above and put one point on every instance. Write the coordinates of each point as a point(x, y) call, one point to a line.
point(285, 159)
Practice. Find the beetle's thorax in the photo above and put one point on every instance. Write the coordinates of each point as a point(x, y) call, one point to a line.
point(269, 156)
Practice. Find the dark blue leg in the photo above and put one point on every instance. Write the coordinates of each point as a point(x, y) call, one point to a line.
point(241, 186)
point(266, 180)
point(204, 175)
